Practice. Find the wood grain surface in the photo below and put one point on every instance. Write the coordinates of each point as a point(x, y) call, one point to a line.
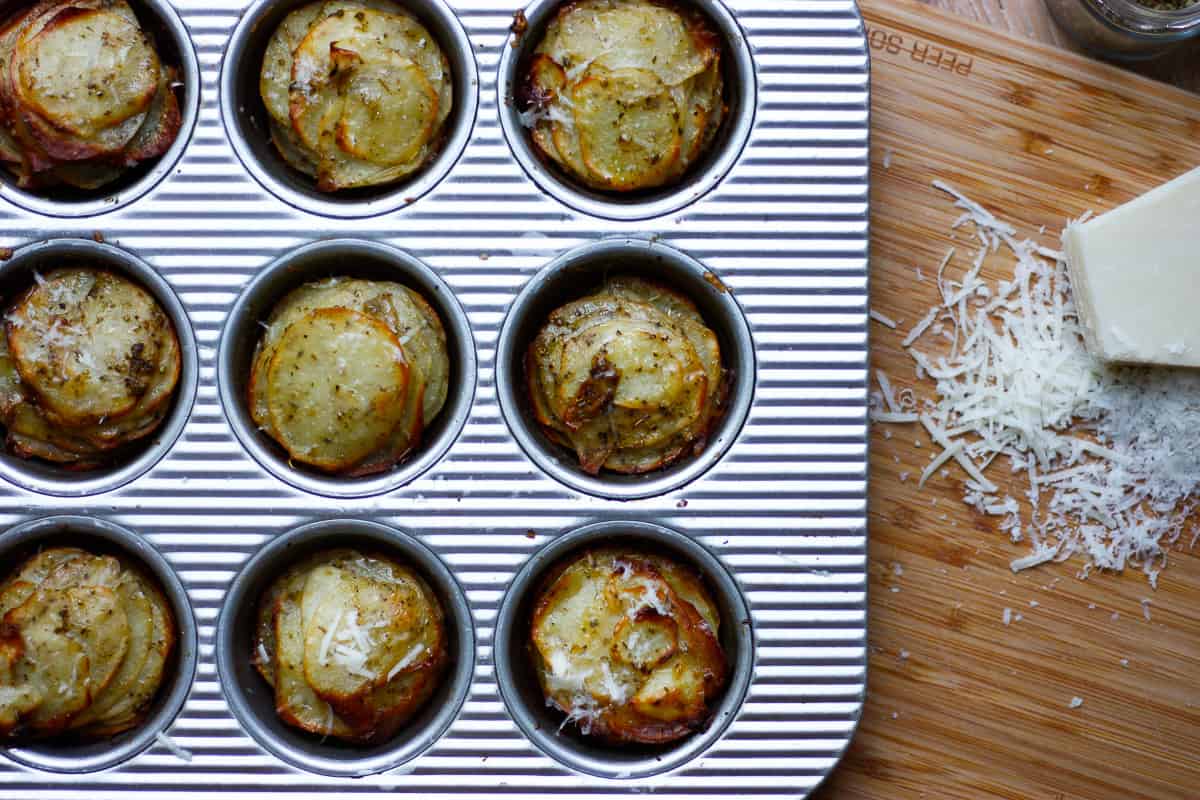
point(961, 705)
point(1029, 18)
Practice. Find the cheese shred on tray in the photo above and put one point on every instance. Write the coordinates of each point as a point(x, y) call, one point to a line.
point(1109, 456)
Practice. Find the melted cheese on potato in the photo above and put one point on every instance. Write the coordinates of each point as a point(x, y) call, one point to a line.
point(353, 644)
point(627, 646)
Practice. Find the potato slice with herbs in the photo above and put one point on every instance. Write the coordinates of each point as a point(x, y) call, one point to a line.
point(337, 386)
point(358, 644)
point(86, 342)
point(630, 378)
point(624, 651)
point(389, 111)
point(624, 94)
point(417, 330)
point(629, 128)
point(106, 53)
point(364, 88)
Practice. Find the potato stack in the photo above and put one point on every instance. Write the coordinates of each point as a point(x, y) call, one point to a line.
point(84, 643)
point(84, 95)
point(630, 378)
point(89, 363)
point(352, 644)
point(627, 646)
point(625, 94)
point(348, 373)
point(357, 93)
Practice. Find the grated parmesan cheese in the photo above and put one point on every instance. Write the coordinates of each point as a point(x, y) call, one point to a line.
point(172, 747)
point(1110, 456)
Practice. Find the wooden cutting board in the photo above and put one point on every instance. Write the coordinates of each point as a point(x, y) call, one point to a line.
point(961, 705)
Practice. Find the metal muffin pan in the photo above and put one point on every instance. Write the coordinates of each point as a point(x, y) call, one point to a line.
point(175, 47)
point(783, 510)
point(741, 86)
point(101, 537)
point(574, 274)
point(357, 259)
point(247, 126)
point(250, 698)
point(518, 683)
point(39, 476)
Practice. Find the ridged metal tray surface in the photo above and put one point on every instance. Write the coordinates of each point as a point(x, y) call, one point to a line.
point(784, 509)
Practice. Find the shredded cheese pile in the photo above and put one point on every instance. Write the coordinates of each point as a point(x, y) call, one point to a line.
point(1110, 455)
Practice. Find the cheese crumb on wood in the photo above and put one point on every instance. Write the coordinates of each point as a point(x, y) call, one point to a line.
point(1136, 277)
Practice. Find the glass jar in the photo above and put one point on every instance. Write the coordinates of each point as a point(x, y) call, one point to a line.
point(1125, 30)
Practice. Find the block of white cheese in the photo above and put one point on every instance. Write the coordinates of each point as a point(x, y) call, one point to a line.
point(1135, 274)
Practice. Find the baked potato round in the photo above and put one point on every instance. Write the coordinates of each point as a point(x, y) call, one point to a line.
point(84, 642)
point(357, 92)
point(89, 363)
point(352, 643)
point(624, 94)
point(625, 645)
point(84, 95)
point(348, 373)
point(629, 378)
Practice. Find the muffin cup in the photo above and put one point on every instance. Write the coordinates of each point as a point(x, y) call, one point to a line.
point(573, 275)
point(99, 536)
point(356, 259)
point(741, 92)
point(246, 120)
point(47, 478)
point(517, 680)
point(250, 698)
point(175, 47)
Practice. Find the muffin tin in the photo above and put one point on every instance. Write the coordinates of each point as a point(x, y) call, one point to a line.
point(769, 236)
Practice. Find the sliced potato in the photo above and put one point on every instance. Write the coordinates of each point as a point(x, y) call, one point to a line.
point(389, 111)
point(57, 667)
point(295, 700)
point(276, 74)
point(85, 341)
point(129, 709)
point(337, 386)
point(161, 126)
point(88, 70)
point(136, 606)
point(620, 34)
point(365, 87)
point(629, 378)
point(624, 654)
point(629, 127)
point(416, 327)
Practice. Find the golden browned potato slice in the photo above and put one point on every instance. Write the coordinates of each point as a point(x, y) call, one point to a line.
point(40, 565)
point(276, 75)
point(88, 69)
point(292, 149)
point(620, 34)
point(162, 123)
point(624, 652)
point(85, 570)
point(404, 312)
point(630, 378)
point(86, 342)
point(389, 111)
point(629, 127)
point(364, 88)
point(136, 606)
point(129, 708)
point(337, 387)
point(55, 666)
point(295, 701)
point(362, 628)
